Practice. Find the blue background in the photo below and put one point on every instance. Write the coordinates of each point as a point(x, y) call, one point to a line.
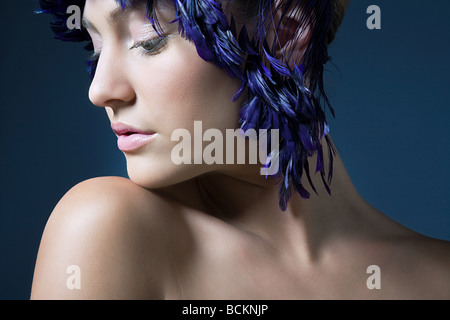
point(389, 88)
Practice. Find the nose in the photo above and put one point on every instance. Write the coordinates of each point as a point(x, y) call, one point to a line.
point(110, 86)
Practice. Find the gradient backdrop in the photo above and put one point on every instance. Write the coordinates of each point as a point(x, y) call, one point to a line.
point(389, 88)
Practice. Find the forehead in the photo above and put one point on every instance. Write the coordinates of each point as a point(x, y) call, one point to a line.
point(101, 14)
point(118, 10)
point(114, 9)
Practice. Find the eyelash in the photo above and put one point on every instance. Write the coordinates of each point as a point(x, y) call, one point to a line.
point(147, 48)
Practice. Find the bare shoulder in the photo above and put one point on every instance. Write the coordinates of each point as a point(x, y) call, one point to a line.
point(433, 253)
point(107, 238)
point(414, 265)
point(433, 256)
point(426, 261)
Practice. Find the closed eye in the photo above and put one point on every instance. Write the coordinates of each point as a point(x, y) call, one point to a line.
point(152, 46)
point(148, 48)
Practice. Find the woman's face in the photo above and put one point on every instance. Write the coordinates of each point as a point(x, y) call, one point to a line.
point(155, 87)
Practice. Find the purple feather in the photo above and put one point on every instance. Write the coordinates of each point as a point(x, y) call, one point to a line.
point(276, 95)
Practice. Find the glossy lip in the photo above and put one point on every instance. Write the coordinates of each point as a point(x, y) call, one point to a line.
point(130, 138)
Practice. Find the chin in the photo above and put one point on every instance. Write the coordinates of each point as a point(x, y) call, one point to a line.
point(161, 174)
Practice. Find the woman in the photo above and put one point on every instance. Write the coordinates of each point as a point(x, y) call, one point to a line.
point(191, 225)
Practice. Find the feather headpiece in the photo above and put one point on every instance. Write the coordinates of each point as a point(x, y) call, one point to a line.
point(284, 89)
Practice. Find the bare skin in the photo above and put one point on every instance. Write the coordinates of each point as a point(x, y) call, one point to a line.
point(212, 232)
point(191, 242)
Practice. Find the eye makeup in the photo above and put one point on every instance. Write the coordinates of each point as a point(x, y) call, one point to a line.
point(146, 47)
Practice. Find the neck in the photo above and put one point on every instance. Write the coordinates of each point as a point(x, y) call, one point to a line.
point(251, 204)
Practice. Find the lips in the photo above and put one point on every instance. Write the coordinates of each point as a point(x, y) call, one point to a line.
point(130, 138)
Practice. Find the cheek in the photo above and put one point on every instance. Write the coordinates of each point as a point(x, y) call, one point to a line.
point(178, 87)
point(173, 89)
